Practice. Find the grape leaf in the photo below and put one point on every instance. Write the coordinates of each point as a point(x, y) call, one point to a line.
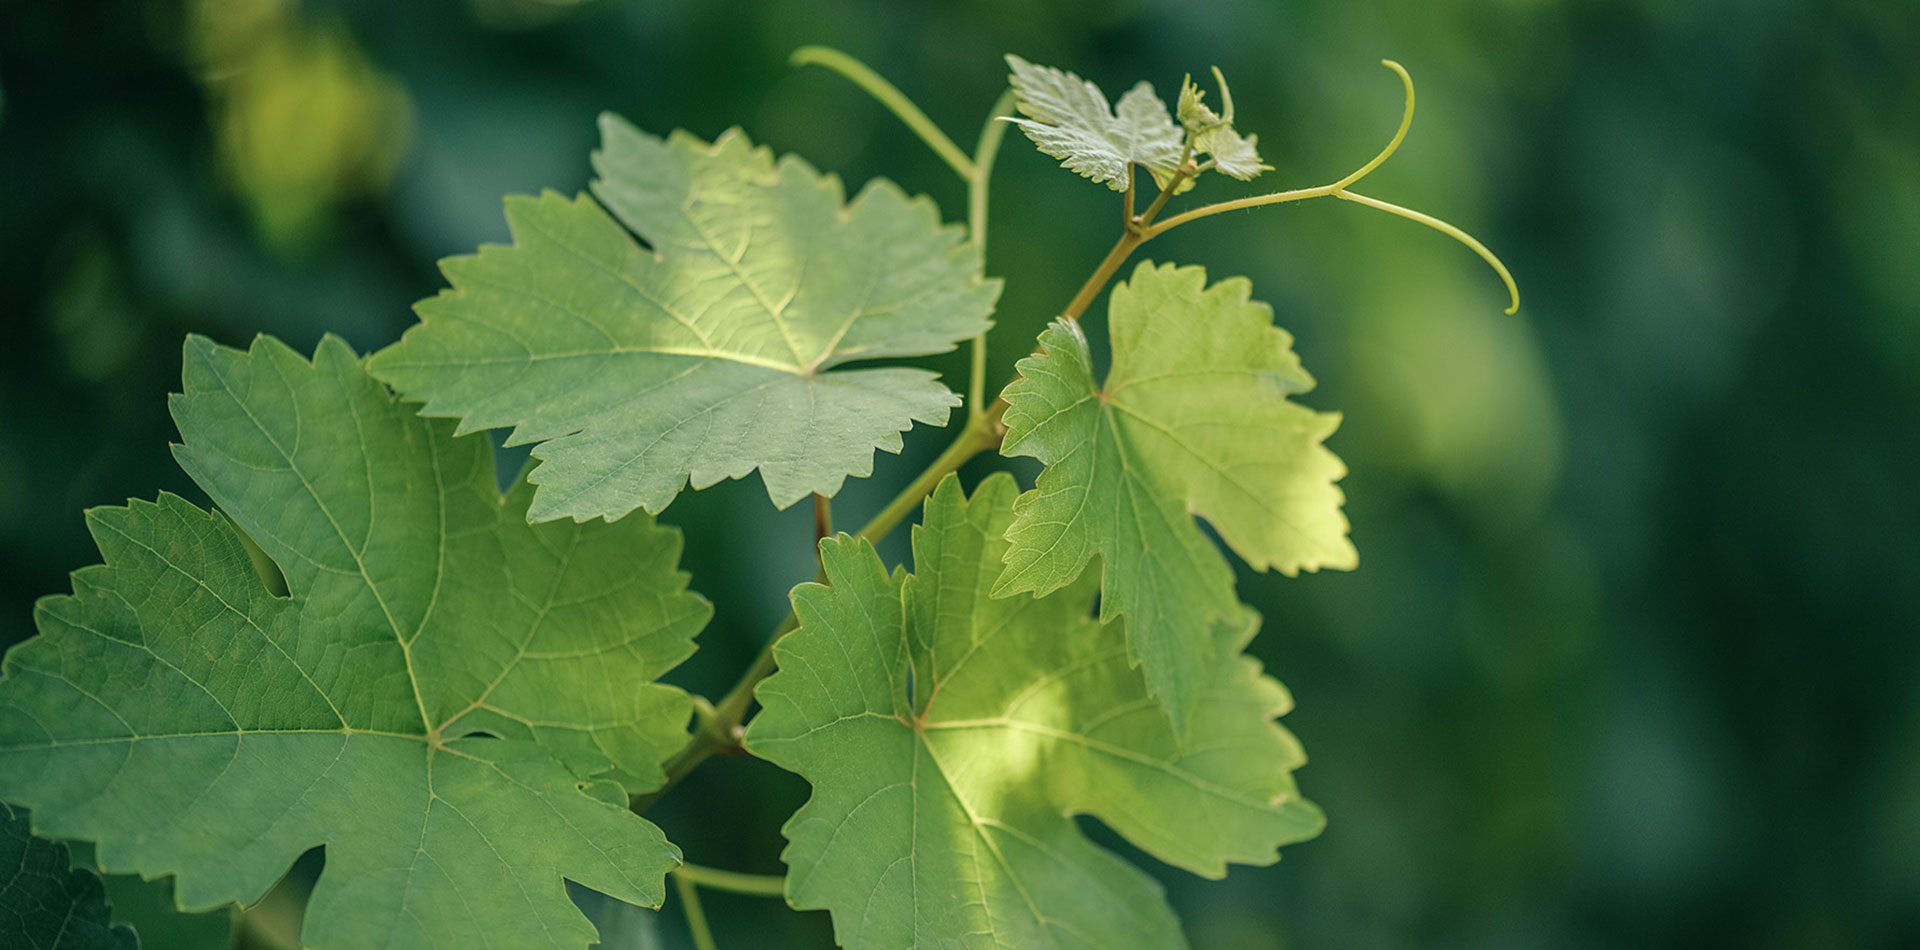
point(45, 902)
point(1069, 119)
point(709, 356)
point(1193, 419)
point(1233, 154)
point(192, 723)
point(1213, 134)
point(950, 737)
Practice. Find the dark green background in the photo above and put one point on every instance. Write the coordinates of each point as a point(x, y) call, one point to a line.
point(1631, 656)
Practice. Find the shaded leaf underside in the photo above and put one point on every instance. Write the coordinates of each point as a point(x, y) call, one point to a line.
point(1069, 119)
point(715, 353)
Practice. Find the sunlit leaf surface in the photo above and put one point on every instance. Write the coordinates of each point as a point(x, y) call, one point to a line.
point(1194, 418)
point(950, 737)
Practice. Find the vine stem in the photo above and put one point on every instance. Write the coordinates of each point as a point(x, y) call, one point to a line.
point(822, 517)
point(696, 915)
point(718, 726)
point(984, 155)
point(1110, 265)
point(753, 885)
point(890, 96)
point(976, 172)
point(1338, 189)
point(1443, 227)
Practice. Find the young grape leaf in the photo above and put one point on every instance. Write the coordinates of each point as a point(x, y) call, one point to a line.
point(1069, 119)
point(1213, 134)
point(454, 703)
point(950, 737)
point(45, 902)
point(1193, 419)
point(710, 355)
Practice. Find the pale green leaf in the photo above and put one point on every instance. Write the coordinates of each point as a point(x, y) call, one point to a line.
point(1233, 154)
point(950, 737)
point(1193, 419)
point(712, 354)
point(1213, 133)
point(46, 903)
point(1069, 119)
point(454, 703)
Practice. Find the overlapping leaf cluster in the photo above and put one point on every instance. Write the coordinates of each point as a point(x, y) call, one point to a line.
point(1193, 418)
point(367, 647)
point(980, 726)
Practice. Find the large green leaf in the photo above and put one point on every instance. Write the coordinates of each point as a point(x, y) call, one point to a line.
point(1193, 419)
point(45, 902)
point(714, 353)
point(950, 737)
point(454, 703)
point(1069, 119)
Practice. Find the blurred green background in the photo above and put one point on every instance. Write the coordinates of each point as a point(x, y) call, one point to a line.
point(1631, 659)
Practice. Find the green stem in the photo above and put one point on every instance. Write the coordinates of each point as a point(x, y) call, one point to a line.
point(889, 96)
point(1135, 232)
point(1109, 265)
point(755, 885)
point(984, 153)
point(976, 172)
point(1399, 135)
point(1278, 197)
point(696, 915)
point(1473, 243)
point(717, 727)
point(1338, 189)
point(1182, 172)
point(1321, 191)
point(973, 440)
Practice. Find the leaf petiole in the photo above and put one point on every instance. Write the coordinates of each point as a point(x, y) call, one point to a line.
point(717, 727)
point(734, 882)
point(985, 151)
point(822, 517)
point(696, 915)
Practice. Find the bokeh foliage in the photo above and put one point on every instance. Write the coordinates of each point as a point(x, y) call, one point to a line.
point(1631, 655)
